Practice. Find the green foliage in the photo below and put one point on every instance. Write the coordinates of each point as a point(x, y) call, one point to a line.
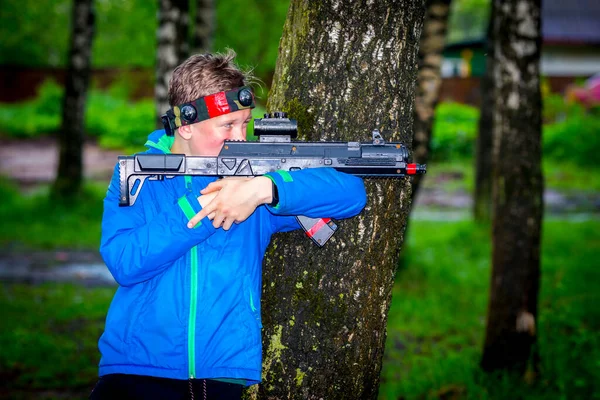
point(119, 123)
point(556, 108)
point(571, 135)
point(454, 131)
point(436, 322)
point(116, 121)
point(253, 29)
point(468, 20)
point(27, 41)
point(576, 138)
point(31, 118)
point(126, 32)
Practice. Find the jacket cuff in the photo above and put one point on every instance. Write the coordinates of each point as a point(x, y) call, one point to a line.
point(279, 178)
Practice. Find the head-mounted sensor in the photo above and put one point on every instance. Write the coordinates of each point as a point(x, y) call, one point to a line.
point(206, 107)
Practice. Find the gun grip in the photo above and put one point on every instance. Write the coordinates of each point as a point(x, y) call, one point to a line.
point(320, 230)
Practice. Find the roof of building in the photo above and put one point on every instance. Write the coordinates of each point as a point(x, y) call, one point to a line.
point(573, 21)
point(563, 22)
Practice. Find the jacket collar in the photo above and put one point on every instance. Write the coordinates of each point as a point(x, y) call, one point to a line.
point(158, 140)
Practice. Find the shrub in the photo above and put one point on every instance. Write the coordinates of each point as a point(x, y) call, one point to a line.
point(576, 139)
point(110, 117)
point(454, 131)
point(117, 122)
point(38, 116)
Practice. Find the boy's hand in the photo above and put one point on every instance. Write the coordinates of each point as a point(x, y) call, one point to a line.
point(232, 200)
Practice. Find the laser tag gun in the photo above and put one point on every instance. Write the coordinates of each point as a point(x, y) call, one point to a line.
point(273, 151)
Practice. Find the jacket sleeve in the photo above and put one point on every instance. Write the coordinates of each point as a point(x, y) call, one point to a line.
point(318, 193)
point(136, 249)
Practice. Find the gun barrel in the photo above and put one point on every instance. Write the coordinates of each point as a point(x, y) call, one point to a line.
point(416, 169)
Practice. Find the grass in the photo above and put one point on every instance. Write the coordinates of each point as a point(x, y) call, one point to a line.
point(459, 175)
point(436, 322)
point(48, 337)
point(48, 333)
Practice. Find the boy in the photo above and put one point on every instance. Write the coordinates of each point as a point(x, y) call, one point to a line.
point(185, 320)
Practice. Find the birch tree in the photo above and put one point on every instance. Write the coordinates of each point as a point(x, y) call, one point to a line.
point(172, 47)
point(69, 177)
point(344, 69)
point(517, 186)
point(204, 27)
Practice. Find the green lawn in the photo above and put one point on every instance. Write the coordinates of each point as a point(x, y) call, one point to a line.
point(564, 176)
point(48, 337)
point(437, 318)
point(48, 333)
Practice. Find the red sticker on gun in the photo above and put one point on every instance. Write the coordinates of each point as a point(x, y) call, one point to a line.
point(310, 233)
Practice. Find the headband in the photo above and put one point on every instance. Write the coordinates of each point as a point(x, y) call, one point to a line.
point(206, 107)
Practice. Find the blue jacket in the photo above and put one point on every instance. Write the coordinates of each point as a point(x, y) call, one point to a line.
point(188, 301)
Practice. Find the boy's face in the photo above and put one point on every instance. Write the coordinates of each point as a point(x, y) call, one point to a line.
point(208, 136)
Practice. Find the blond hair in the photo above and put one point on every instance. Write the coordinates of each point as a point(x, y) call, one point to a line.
point(204, 74)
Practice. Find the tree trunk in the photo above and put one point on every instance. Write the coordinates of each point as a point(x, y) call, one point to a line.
point(482, 199)
point(344, 69)
point(70, 167)
point(433, 40)
point(172, 47)
point(204, 29)
point(517, 186)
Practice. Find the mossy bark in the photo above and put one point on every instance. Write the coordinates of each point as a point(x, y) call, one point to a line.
point(69, 178)
point(344, 69)
point(517, 187)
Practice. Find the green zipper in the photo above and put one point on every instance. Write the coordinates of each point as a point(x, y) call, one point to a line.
point(192, 319)
point(193, 295)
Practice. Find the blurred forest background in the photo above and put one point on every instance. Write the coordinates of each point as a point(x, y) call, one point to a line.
point(54, 292)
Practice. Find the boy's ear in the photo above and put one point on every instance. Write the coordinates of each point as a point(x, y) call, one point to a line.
point(185, 132)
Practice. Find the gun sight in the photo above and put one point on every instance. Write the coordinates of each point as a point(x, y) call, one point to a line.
point(276, 124)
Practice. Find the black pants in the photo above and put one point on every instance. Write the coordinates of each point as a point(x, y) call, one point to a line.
point(137, 387)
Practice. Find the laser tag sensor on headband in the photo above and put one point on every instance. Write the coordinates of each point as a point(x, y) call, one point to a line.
point(206, 107)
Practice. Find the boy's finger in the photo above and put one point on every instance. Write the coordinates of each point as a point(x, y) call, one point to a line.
point(198, 217)
point(192, 222)
point(212, 187)
point(227, 224)
point(218, 220)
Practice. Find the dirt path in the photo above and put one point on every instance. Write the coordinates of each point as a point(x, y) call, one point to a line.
point(34, 161)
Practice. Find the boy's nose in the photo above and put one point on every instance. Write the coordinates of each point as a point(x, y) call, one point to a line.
point(238, 134)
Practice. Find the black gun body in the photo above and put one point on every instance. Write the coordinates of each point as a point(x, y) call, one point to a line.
point(258, 158)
